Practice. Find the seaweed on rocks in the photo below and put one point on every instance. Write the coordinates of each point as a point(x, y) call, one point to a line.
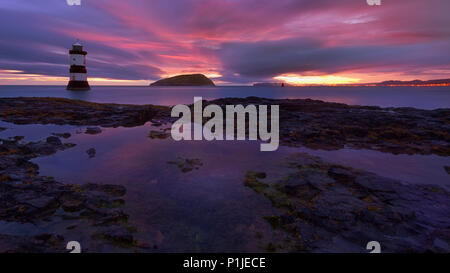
point(325, 207)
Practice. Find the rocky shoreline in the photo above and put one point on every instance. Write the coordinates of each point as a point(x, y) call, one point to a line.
point(331, 126)
point(319, 204)
point(303, 122)
point(74, 112)
point(28, 198)
point(322, 205)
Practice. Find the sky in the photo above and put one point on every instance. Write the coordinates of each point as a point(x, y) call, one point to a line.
point(234, 42)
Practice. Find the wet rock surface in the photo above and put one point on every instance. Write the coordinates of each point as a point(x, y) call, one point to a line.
point(159, 134)
point(323, 125)
point(93, 130)
point(91, 152)
point(325, 207)
point(63, 135)
point(187, 164)
point(321, 205)
point(44, 243)
point(74, 112)
point(310, 123)
point(26, 197)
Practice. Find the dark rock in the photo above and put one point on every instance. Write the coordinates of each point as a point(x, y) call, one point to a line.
point(261, 175)
point(116, 235)
point(447, 169)
point(158, 134)
point(113, 190)
point(26, 197)
point(73, 205)
point(54, 140)
point(341, 175)
point(75, 112)
point(91, 152)
point(43, 243)
point(441, 245)
point(187, 165)
point(311, 123)
point(18, 138)
point(93, 130)
point(354, 206)
point(63, 135)
point(42, 202)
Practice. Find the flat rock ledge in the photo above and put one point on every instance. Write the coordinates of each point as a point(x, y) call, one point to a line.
point(303, 122)
point(74, 112)
point(331, 126)
point(26, 197)
point(323, 207)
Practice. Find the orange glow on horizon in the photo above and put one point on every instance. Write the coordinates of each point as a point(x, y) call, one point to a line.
point(295, 79)
point(15, 77)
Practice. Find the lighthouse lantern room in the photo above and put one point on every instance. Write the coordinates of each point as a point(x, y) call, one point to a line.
point(78, 72)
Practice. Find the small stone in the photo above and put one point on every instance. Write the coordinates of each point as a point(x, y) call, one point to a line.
point(54, 140)
point(187, 165)
point(447, 169)
point(158, 135)
point(18, 138)
point(341, 175)
point(93, 130)
point(143, 245)
point(91, 152)
point(41, 202)
point(72, 205)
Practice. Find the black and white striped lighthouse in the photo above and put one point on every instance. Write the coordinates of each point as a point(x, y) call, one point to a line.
point(78, 72)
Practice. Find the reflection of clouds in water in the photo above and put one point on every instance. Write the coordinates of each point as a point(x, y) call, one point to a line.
point(128, 152)
point(211, 200)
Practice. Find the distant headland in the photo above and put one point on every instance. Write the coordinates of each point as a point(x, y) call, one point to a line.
point(185, 80)
point(438, 82)
point(444, 82)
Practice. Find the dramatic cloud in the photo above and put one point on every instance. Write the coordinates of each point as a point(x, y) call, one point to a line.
point(267, 59)
point(236, 41)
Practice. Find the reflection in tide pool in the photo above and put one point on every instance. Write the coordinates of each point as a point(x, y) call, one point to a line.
point(208, 209)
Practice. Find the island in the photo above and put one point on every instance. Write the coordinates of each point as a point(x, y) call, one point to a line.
point(185, 80)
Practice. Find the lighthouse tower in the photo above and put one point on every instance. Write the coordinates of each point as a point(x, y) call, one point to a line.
point(78, 72)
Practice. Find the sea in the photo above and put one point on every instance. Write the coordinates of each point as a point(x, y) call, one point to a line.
point(417, 97)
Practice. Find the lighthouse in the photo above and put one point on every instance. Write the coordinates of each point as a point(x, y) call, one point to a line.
point(78, 72)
